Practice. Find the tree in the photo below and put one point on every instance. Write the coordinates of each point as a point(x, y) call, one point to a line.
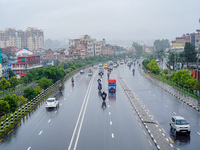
point(138, 48)
point(21, 100)
point(145, 63)
point(11, 73)
point(190, 53)
point(153, 66)
point(44, 83)
point(30, 93)
point(4, 107)
point(29, 77)
point(165, 71)
point(160, 47)
point(38, 90)
point(12, 101)
point(13, 81)
point(5, 83)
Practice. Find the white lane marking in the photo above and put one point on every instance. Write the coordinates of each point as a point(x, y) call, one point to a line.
point(65, 99)
point(166, 105)
point(160, 130)
point(81, 116)
point(110, 122)
point(29, 148)
point(171, 145)
point(40, 133)
point(108, 105)
point(68, 94)
point(109, 113)
point(60, 104)
point(174, 113)
point(49, 120)
point(198, 133)
point(70, 90)
point(167, 139)
point(154, 95)
point(56, 111)
point(112, 135)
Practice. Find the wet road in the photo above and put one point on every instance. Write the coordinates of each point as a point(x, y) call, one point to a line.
point(162, 106)
point(80, 122)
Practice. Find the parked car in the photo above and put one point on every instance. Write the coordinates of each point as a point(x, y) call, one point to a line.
point(52, 103)
point(180, 125)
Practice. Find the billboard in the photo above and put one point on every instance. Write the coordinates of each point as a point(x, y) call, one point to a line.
point(177, 45)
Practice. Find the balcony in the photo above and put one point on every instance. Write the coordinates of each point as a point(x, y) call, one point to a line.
point(26, 68)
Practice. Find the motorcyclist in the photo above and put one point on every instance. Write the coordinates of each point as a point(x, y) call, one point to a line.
point(99, 86)
point(99, 80)
point(72, 80)
point(133, 71)
point(103, 95)
point(134, 64)
point(108, 74)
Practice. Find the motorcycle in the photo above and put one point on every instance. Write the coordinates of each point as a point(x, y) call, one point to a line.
point(99, 87)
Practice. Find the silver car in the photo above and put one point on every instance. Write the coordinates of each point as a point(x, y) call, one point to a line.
point(180, 125)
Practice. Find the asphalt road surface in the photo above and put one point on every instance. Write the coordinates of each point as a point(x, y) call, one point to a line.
point(83, 121)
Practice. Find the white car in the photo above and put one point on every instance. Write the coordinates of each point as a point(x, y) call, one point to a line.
point(180, 125)
point(52, 103)
point(81, 71)
point(90, 73)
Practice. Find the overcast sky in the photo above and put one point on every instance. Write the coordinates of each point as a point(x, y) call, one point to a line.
point(109, 19)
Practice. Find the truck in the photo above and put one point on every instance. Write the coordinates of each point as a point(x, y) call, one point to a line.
point(112, 85)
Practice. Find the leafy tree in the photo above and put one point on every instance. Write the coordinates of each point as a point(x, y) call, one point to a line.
point(4, 107)
point(25, 79)
point(165, 71)
point(138, 48)
point(14, 81)
point(11, 73)
point(29, 76)
point(145, 63)
point(38, 90)
point(5, 83)
point(30, 93)
point(190, 53)
point(44, 83)
point(21, 100)
point(190, 83)
point(153, 66)
point(12, 101)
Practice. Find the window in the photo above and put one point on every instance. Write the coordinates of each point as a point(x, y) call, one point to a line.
point(23, 59)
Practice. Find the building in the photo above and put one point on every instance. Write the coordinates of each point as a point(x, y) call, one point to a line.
point(4, 70)
point(26, 63)
point(32, 38)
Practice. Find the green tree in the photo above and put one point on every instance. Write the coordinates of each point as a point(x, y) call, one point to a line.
point(11, 73)
point(29, 76)
point(13, 81)
point(38, 90)
point(4, 107)
point(30, 93)
point(21, 100)
point(138, 48)
point(190, 53)
point(153, 66)
point(12, 101)
point(145, 63)
point(25, 79)
point(165, 71)
point(5, 83)
point(44, 83)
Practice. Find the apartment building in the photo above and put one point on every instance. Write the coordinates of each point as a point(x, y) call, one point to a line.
point(31, 38)
point(26, 63)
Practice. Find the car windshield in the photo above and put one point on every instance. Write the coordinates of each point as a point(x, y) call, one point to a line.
point(50, 100)
point(111, 84)
point(181, 122)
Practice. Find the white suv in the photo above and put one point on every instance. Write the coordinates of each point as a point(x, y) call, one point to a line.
point(52, 103)
point(180, 125)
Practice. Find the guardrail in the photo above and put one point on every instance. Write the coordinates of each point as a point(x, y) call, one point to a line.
point(14, 118)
